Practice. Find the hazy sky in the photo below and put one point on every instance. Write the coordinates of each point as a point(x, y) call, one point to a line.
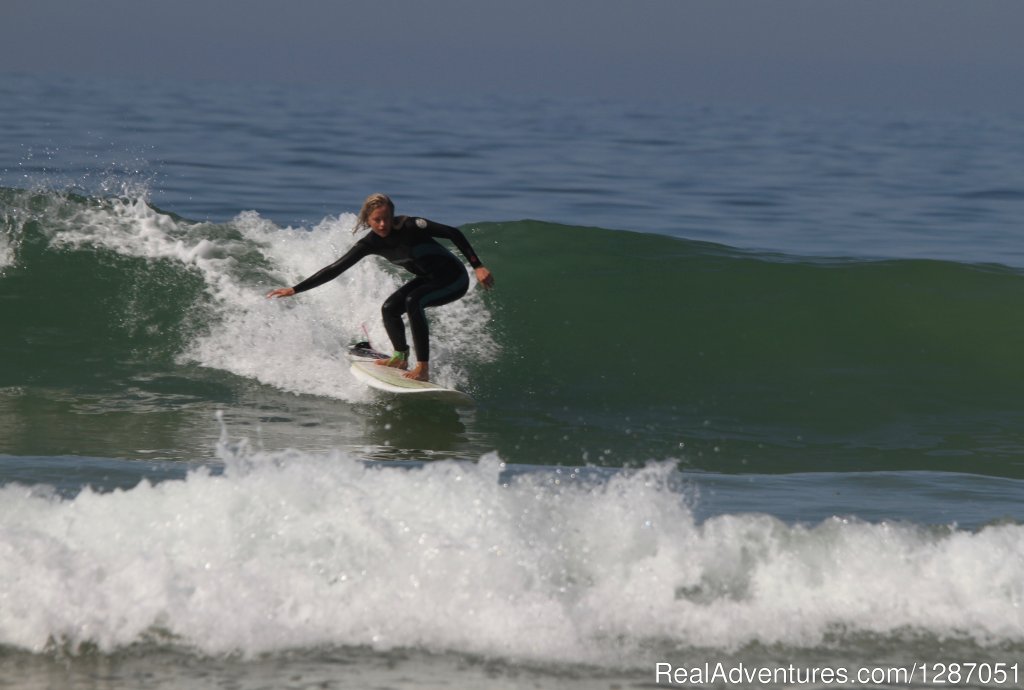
point(931, 53)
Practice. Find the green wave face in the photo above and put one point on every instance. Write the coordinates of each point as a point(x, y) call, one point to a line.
point(723, 346)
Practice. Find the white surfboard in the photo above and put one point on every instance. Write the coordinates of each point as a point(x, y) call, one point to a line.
point(390, 379)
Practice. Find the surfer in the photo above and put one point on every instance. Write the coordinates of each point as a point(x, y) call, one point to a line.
point(410, 243)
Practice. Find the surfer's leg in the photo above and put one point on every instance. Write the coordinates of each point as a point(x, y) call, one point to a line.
point(391, 311)
point(430, 294)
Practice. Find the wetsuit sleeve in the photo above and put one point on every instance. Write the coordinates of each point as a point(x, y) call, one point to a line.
point(457, 238)
point(329, 273)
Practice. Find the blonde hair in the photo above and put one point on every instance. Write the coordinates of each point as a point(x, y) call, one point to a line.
point(372, 203)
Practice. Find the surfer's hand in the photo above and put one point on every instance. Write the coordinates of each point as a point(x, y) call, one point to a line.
point(485, 277)
point(281, 292)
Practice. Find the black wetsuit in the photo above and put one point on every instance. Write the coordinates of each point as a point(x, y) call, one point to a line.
point(440, 277)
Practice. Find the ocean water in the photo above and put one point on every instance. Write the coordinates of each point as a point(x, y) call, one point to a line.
point(749, 394)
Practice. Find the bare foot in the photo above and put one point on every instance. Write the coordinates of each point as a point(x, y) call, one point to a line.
point(420, 372)
point(399, 360)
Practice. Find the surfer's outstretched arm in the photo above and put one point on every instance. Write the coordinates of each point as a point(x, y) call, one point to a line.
point(325, 274)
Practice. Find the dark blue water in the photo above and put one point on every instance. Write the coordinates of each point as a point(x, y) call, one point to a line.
point(800, 181)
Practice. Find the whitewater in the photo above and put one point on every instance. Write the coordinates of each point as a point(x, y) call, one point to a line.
point(290, 550)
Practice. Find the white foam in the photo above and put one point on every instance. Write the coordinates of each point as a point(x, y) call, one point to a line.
point(7, 254)
point(295, 344)
point(292, 550)
point(11, 227)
